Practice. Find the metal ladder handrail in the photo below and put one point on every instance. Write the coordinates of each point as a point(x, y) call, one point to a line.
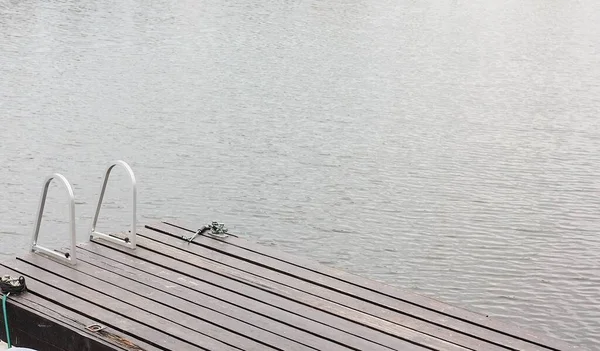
point(68, 257)
point(129, 241)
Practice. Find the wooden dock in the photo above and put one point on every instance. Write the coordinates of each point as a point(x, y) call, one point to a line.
point(226, 293)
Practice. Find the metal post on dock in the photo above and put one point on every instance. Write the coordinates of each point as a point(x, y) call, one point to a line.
point(67, 257)
point(129, 240)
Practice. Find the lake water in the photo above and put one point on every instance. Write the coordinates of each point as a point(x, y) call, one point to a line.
point(448, 147)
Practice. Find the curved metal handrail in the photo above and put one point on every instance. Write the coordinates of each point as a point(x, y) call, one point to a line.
point(129, 241)
point(68, 257)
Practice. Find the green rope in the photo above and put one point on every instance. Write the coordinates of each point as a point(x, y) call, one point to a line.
point(6, 319)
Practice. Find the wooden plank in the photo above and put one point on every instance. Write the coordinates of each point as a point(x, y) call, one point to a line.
point(255, 288)
point(199, 290)
point(160, 324)
point(118, 322)
point(283, 289)
point(322, 290)
point(327, 330)
point(78, 323)
point(161, 302)
point(396, 314)
point(114, 272)
point(216, 328)
point(375, 287)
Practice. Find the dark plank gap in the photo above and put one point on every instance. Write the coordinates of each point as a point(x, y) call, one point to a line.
point(88, 275)
point(188, 323)
point(113, 271)
point(105, 317)
point(376, 288)
point(233, 292)
point(247, 284)
point(280, 281)
point(159, 323)
point(322, 289)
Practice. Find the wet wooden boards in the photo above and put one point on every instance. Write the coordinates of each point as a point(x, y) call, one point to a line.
point(225, 293)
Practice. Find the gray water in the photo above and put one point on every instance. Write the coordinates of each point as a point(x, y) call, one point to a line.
point(447, 147)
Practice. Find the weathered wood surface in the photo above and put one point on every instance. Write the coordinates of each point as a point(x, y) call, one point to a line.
point(225, 293)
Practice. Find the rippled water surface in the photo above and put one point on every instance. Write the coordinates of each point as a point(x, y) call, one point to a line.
point(450, 147)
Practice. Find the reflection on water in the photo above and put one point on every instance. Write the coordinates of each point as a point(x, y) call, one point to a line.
point(451, 148)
